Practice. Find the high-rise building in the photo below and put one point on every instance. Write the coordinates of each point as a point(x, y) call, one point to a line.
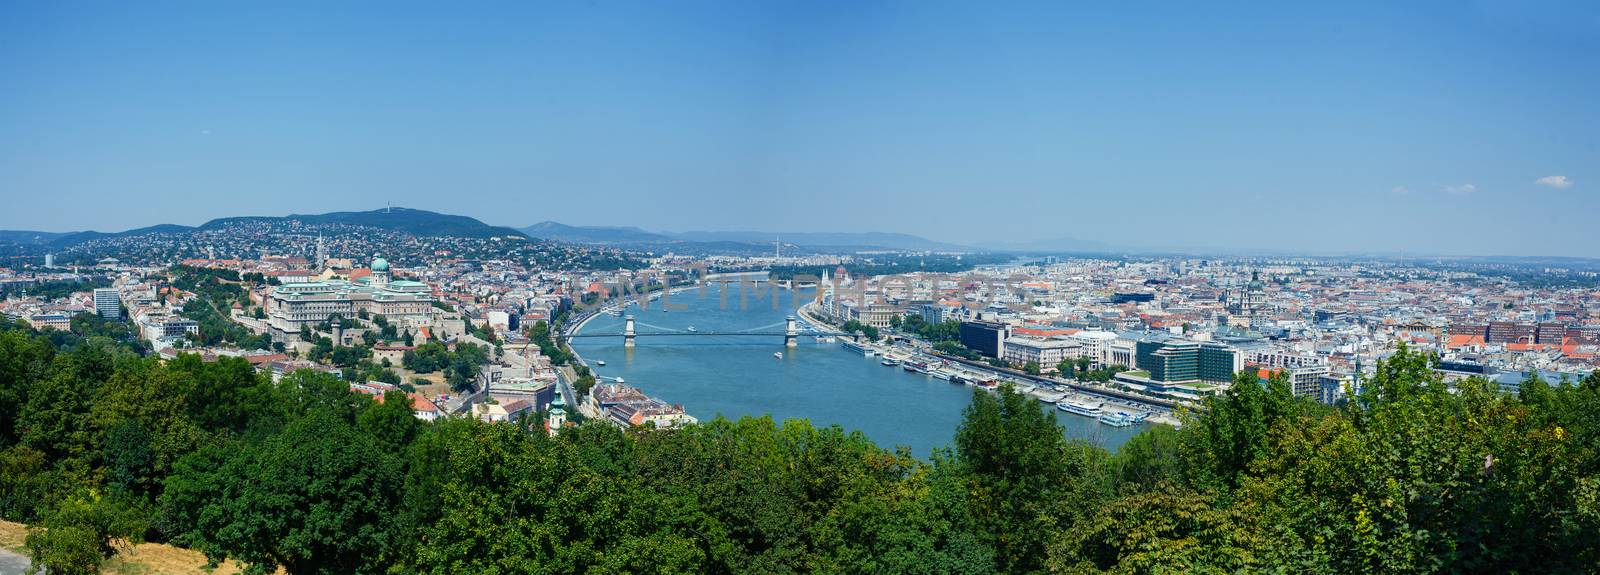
point(1550, 333)
point(1510, 332)
point(1306, 381)
point(1132, 297)
point(49, 260)
point(1178, 360)
point(107, 304)
point(987, 338)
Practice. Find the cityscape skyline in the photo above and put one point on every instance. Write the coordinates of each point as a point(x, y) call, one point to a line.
point(1365, 128)
point(794, 286)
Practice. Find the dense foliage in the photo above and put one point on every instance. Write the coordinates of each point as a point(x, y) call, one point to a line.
point(51, 290)
point(216, 291)
point(460, 366)
point(853, 326)
point(957, 350)
point(947, 330)
point(100, 447)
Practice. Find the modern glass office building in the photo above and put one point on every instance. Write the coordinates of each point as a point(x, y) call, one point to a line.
point(1178, 360)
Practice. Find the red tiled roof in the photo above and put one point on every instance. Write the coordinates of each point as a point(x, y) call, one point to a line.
point(1043, 332)
point(420, 403)
point(260, 359)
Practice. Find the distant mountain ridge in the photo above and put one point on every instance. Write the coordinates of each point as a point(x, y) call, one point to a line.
point(591, 234)
point(1062, 244)
point(29, 237)
point(887, 240)
point(633, 236)
point(405, 220)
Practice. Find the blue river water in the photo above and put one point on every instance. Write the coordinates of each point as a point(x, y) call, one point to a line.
point(737, 375)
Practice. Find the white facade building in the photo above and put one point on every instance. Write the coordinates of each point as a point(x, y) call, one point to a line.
point(1044, 352)
point(405, 303)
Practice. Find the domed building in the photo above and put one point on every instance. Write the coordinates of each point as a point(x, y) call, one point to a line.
point(408, 304)
point(1253, 295)
point(380, 271)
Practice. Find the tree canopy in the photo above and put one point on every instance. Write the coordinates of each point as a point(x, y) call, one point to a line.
point(100, 447)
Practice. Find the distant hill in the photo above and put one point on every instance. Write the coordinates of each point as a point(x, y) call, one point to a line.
point(73, 238)
point(28, 237)
point(592, 234)
point(866, 240)
point(407, 220)
point(731, 241)
point(1063, 244)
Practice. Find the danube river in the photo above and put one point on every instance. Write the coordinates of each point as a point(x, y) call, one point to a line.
point(737, 375)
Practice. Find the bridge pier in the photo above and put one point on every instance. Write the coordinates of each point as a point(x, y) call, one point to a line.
point(791, 336)
point(627, 332)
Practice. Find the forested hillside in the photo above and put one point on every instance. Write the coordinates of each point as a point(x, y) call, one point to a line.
point(99, 446)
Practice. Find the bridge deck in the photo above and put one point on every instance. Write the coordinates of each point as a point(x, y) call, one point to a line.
point(706, 333)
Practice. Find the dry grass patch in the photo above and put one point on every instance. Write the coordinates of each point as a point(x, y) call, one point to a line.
point(11, 536)
point(148, 558)
point(143, 559)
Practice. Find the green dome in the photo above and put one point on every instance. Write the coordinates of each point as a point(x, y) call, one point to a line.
point(380, 265)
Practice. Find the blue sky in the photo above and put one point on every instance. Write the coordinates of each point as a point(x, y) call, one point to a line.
point(1386, 126)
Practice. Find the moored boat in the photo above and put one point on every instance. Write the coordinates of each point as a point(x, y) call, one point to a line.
point(1116, 419)
point(1077, 406)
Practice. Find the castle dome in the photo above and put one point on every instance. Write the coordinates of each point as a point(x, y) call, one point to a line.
point(380, 265)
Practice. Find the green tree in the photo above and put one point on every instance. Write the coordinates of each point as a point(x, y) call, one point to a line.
point(24, 359)
point(226, 395)
point(1233, 430)
point(584, 383)
point(82, 531)
point(319, 497)
point(130, 460)
point(1024, 476)
point(1165, 530)
point(390, 422)
point(1152, 457)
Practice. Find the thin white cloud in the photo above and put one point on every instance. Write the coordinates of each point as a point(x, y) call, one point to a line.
point(1401, 190)
point(1462, 189)
point(1557, 182)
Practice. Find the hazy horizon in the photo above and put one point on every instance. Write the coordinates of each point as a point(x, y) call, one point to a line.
point(1433, 128)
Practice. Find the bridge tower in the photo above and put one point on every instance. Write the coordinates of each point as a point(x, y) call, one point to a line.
point(627, 332)
point(791, 336)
